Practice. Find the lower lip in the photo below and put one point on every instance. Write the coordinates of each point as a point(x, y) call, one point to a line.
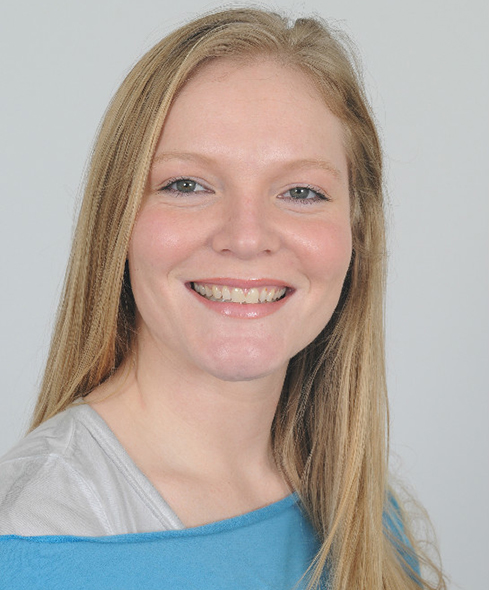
point(248, 311)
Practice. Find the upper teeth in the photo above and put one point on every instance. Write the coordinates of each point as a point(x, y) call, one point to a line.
point(237, 295)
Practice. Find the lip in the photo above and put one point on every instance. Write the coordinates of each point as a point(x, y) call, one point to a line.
point(240, 310)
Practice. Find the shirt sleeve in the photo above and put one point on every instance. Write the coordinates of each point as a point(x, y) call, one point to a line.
point(45, 495)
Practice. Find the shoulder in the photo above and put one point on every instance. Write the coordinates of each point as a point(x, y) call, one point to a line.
point(42, 483)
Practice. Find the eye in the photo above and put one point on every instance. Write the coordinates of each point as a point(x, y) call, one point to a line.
point(183, 185)
point(305, 194)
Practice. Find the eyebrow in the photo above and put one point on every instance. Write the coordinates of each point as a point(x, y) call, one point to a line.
point(180, 156)
point(314, 163)
point(297, 164)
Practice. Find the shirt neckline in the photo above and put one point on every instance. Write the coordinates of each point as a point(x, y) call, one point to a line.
point(101, 431)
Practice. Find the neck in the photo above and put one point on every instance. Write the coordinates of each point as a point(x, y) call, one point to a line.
point(182, 420)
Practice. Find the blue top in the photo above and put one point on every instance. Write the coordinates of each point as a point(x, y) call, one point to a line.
point(269, 548)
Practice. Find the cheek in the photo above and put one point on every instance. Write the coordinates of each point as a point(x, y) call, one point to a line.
point(327, 250)
point(158, 241)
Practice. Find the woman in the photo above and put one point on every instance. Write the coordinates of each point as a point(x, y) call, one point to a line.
point(218, 352)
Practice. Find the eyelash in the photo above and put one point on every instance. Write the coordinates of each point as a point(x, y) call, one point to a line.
point(167, 186)
point(318, 195)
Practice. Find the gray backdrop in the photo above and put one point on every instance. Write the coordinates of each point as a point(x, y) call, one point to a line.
point(426, 72)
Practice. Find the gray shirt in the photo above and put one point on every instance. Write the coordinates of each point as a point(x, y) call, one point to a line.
point(71, 476)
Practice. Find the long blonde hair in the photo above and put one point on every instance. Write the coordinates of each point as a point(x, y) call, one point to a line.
point(330, 428)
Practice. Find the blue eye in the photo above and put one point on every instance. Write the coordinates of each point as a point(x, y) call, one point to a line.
point(305, 193)
point(183, 185)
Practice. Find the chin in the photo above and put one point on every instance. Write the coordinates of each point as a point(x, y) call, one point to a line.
point(243, 365)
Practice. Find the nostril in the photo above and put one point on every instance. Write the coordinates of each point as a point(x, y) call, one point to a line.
point(244, 239)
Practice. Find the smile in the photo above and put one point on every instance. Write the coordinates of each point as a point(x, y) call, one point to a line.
point(223, 293)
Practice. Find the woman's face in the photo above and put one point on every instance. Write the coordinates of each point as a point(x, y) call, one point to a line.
point(243, 241)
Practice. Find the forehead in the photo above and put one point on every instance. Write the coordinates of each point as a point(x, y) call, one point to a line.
point(261, 105)
point(252, 80)
point(220, 70)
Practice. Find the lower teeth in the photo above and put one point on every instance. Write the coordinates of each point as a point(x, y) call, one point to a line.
point(240, 302)
point(231, 301)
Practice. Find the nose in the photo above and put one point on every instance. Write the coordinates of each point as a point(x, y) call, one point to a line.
point(247, 228)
